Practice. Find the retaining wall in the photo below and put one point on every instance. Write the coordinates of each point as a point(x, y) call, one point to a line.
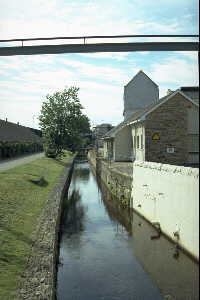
point(119, 183)
point(39, 279)
point(169, 195)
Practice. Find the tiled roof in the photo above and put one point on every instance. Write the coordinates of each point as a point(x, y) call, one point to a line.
point(12, 132)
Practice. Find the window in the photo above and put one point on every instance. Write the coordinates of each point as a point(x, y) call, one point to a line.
point(142, 145)
point(134, 142)
point(138, 142)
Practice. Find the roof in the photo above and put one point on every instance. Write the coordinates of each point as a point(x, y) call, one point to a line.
point(142, 113)
point(190, 88)
point(141, 72)
point(192, 92)
point(113, 131)
point(12, 132)
point(164, 99)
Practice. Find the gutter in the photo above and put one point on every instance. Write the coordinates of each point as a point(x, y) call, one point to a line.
point(137, 121)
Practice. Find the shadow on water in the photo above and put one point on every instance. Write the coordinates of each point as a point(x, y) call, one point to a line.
point(106, 251)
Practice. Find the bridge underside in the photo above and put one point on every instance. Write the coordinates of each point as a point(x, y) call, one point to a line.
point(99, 47)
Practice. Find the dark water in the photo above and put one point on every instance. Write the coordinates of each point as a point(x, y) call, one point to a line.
point(106, 252)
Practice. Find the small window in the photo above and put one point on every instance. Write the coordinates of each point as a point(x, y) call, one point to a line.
point(142, 145)
point(134, 142)
point(138, 142)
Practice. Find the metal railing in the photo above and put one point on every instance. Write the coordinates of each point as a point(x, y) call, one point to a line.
point(84, 38)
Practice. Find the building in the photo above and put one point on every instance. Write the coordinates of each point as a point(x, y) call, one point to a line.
point(16, 140)
point(11, 132)
point(99, 131)
point(139, 92)
point(166, 131)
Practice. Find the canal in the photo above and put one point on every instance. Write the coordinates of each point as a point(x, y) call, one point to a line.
point(108, 253)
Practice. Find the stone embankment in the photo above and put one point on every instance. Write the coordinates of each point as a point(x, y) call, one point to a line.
point(39, 279)
point(118, 178)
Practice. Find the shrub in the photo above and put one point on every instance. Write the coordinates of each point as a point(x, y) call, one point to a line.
point(13, 149)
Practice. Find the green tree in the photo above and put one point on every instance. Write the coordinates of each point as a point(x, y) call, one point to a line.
point(62, 122)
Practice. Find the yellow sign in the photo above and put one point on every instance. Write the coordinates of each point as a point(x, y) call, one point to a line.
point(155, 137)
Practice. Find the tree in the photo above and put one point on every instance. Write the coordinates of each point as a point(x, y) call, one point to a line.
point(62, 122)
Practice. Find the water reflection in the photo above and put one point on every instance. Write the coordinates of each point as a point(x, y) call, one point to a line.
point(121, 217)
point(177, 277)
point(73, 215)
point(106, 252)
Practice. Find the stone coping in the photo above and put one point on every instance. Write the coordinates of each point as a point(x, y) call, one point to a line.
point(186, 171)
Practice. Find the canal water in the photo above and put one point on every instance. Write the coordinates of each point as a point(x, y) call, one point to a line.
point(107, 253)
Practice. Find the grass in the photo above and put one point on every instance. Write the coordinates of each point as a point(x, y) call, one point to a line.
point(24, 191)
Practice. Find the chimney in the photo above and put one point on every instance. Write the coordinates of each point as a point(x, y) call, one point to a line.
point(6, 120)
point(169, 92)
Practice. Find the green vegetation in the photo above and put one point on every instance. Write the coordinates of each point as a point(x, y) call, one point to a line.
point(63, 124)
point(23, 193)
point(12, 149)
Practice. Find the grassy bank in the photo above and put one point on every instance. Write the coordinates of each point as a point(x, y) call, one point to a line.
point(24, 191)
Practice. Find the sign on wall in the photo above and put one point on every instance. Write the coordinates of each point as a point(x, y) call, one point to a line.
point(155, 137)
point(170, 149)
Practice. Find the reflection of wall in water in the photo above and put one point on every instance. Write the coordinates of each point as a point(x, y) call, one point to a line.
point(81, 173)
point(116, 212)
point(176, 277)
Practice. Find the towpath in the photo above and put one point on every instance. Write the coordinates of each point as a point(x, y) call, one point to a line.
point(14, 162)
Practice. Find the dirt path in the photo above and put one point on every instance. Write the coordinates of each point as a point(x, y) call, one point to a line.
point(11, 163)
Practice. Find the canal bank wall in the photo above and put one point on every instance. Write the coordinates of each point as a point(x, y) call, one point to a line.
point(168, 196)
point(118, 182)
point(39, 279)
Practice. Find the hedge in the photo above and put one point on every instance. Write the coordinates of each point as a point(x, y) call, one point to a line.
point(12, 149)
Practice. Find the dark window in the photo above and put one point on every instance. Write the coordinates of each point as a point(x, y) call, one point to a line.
point(138, 142)
point(142, 145)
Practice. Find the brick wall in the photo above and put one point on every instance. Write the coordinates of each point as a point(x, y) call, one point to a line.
point(170, 122)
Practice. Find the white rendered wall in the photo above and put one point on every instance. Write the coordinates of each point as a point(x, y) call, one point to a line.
point(169, 195)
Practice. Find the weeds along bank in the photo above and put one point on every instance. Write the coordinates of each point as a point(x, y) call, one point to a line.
point(30, 207)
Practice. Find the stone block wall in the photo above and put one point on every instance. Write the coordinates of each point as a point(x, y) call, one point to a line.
point(170, 122)
point(119, 183)
point(40, 275)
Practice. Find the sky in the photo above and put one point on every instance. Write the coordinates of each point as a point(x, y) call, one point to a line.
point(26, 80)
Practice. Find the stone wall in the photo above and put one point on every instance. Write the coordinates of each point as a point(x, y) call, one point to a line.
point(169, 196)
point(170, 121)
point(119, 183)
point(39, 278)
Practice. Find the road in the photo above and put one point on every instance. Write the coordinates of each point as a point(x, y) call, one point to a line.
point(14, 162)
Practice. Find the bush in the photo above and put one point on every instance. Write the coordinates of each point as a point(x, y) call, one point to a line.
point(13, 149)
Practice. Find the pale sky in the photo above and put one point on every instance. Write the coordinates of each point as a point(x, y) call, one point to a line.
point(26, 80)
